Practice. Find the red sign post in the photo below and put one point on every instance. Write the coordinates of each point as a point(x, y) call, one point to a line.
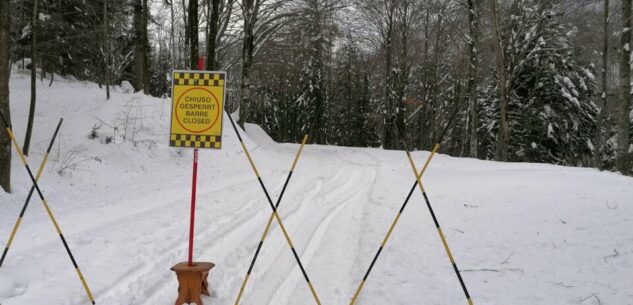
point(202, 90)
point(193, 205)
point(193, 188)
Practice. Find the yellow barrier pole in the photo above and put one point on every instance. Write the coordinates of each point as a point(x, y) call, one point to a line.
point(28, 198)
point(437, 226)
point(386, 238)
point(404, 205)
point(48, 210)
point(275, 214)
point(270, 221)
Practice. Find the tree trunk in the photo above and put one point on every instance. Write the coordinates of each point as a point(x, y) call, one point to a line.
point(248, 49)
point(187, 39)
point(403, 73)
point(622, 161)
point(213, 34)
point(434, 86)
point(172, 37)
point(388, 137)
point(29, 124)
point(145, 43)
point(422, 112)
point(193, 34)
point(315, 112)
point(502, 141)
point(5, 141)
point(139, 46)
point(601, 127)
point(106, 49)
point(473, 22)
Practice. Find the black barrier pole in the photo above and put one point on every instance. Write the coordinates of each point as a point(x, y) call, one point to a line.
point(270, 219)
point(28, 198)
point(404, 205)
point(274, 211)
point(269, 223)
point(447, 249)
point(48, 210)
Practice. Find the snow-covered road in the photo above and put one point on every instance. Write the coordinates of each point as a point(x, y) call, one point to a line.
point(523, 234)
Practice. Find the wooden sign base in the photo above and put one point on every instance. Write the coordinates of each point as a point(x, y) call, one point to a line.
point(192, 281)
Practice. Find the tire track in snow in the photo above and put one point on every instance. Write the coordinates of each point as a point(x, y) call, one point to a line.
point(110, 210)
point(162, 217)
point(139, 279)
point(213, 241)
point(293, 283)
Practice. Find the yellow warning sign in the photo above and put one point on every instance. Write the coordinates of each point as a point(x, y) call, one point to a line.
point(197, 105)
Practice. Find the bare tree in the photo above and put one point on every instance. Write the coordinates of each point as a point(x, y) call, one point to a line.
point(145, 46)
point(424, 108)
point(602, 120)
point(29, 124)
point(622, 161)
point(193, 33)
point(5, 142)
point(406, 14)
point(250, 10)
point(106, 49)
point(381, 15)
point(141, 46)
point(214, 23)
point(502, 141)
point(473, 63)
point(172, 35)
point(139, 55)
point(187, 39)
point(261, 19)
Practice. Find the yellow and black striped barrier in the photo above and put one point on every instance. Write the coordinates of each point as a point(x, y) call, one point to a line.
point(404, 205)
point(270, 221)
point(48, 210)
point(386, 238)
point(274, 212)
point(28, 198)
point(437, 224)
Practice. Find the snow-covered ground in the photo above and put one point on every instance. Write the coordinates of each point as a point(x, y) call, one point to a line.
point(523, 234)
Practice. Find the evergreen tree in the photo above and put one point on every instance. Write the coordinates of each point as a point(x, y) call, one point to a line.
point(551, 114)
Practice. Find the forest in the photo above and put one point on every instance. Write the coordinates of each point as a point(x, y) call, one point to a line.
point(525, 80)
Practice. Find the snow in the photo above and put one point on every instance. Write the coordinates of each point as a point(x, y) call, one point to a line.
point(548, 110)
point(127, 87)
point(569, 97)
point(550, 131)
point(43, 17)
point(568, 82)
point(522, 233)
point(26, 31)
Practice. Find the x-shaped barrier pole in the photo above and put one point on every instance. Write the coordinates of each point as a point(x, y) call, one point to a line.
point(270, 221)
point(274, 214)
point(418, 177)
point(437, 224)
point(46, 206)
point(16, 226)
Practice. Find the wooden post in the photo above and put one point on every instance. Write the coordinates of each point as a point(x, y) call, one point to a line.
point(192, 282)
